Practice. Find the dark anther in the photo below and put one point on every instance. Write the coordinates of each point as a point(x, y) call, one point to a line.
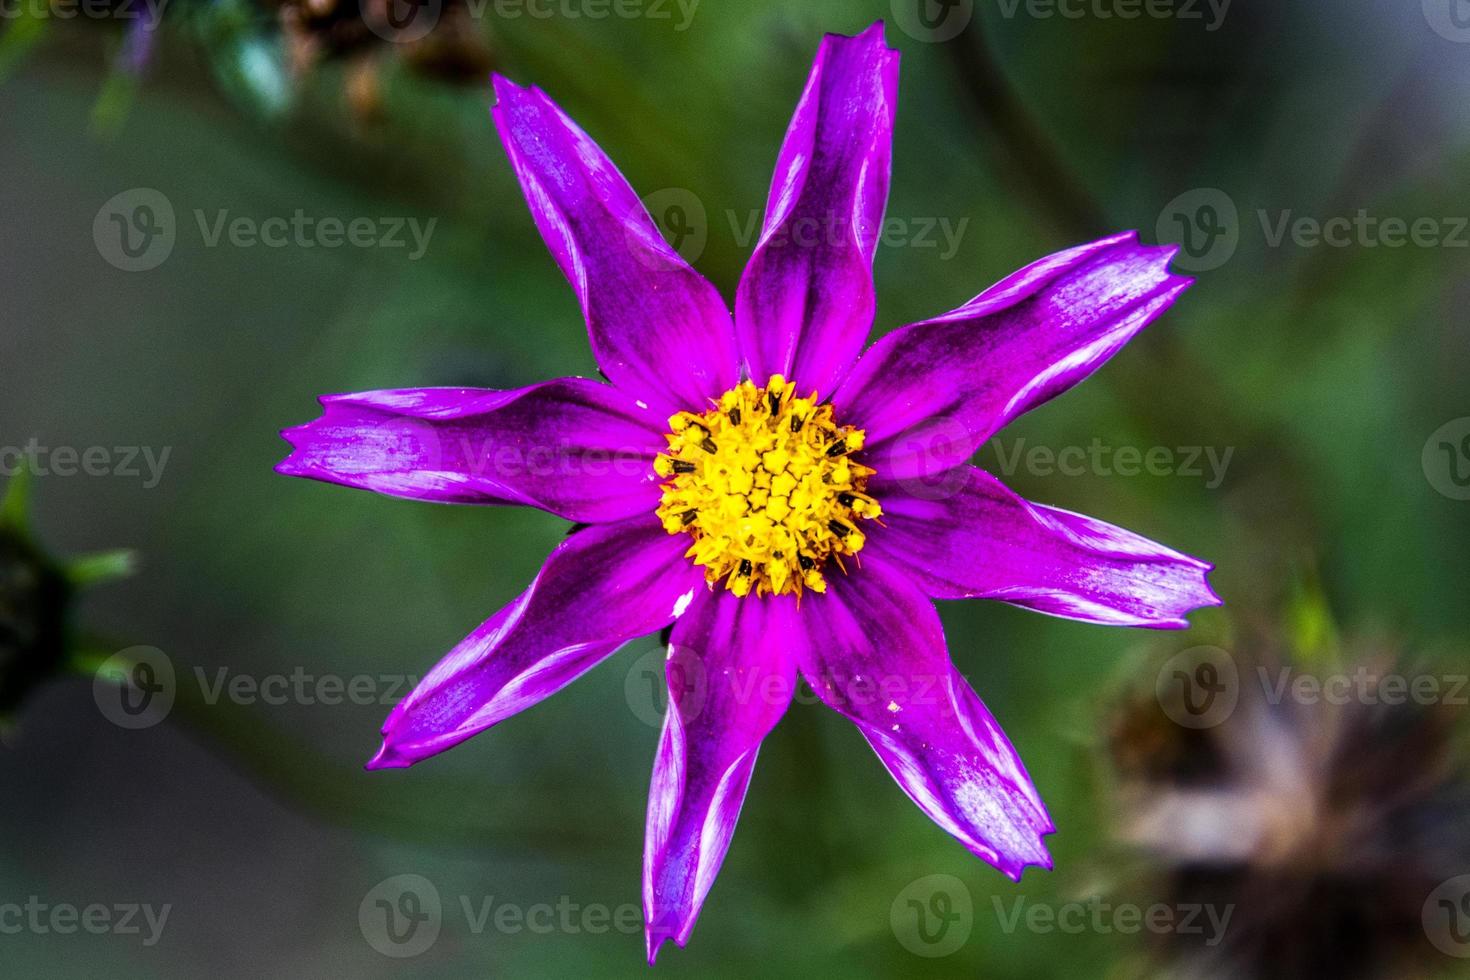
point(708, 445)
point(797, 422)
point(840, 529)
point(682, 466)
point(846, 499)
point(775, 400)
point(734, 416)
point(806, 563)
point(837, 448)
point(745, 568)
point(688, 517)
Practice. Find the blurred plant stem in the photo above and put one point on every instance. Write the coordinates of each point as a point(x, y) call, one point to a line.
point(1030, 157)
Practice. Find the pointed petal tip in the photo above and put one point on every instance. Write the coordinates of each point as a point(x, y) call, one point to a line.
point(1014, 865)
point(874, 35)
point(388, 757)
point(656, 936)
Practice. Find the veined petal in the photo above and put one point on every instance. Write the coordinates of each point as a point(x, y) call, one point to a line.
point(806, 301)
point(576, 448)
point(658, 329)
point(875, 652)
point(603, 586)
point(983, 541)
point(929, 394)
point(731, 675)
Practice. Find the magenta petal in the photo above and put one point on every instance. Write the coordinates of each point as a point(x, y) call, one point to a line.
point(985, 542)
point(875, 652)
point(605, 585)
point(573, 447)
point(806, 301)
point(931, 393)
point(658, 329)
point(730, 676)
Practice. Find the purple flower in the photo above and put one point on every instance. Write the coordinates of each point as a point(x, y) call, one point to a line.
point(788, 502)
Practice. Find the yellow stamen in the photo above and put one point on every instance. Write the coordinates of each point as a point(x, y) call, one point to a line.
point(765, 485)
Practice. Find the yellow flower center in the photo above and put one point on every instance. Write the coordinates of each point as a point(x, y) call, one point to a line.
point(765, 486)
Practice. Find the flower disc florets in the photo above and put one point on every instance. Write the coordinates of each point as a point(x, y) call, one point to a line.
point(765, 486)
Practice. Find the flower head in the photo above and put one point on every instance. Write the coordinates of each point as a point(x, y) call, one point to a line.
point(755, 483)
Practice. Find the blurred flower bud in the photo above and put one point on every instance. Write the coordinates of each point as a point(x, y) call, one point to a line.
point(1323, 810)
point(36, 641)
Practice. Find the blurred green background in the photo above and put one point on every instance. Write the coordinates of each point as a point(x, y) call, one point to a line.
point(1321, 370)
